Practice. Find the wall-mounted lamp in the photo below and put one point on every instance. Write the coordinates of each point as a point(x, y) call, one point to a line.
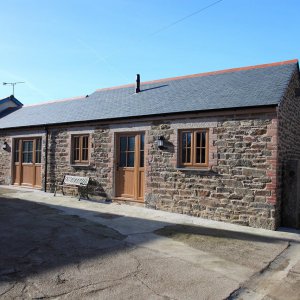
point(5, 146)
point(160, 142)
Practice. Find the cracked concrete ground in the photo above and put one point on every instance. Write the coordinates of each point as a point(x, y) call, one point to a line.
point(60, 248)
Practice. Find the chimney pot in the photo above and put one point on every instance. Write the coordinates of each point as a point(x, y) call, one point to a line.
point(138, 83)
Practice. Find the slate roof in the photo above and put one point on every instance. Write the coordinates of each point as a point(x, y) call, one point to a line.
point(254, 86)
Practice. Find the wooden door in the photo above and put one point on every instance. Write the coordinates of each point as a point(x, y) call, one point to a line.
point(129, 180)
point(27, 162)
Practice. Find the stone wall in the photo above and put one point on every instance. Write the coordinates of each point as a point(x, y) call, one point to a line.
point(100, 167)
point(5, 160)
point(238, 186)
point(288, 133)
point(289, 122)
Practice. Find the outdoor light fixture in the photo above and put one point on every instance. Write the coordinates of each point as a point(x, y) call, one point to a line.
point(160, 142)
point(5, 146)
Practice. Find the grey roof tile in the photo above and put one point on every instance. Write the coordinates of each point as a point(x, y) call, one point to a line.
point(245, 87)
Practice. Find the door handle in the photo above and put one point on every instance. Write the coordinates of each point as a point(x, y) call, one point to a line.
point(117, 167)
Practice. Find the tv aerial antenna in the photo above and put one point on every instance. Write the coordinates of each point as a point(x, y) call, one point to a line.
point(13, 85)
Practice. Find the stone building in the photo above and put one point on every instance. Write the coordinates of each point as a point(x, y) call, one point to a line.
point(214, 145)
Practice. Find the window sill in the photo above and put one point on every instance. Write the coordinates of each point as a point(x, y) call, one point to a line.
point(201, 171)
point(87, 166)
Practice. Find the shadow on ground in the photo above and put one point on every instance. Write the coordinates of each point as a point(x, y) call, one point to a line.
point(36, 238)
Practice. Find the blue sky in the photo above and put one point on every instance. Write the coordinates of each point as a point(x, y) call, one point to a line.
point(69, 48)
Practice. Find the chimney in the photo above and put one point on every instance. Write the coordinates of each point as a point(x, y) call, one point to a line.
point(138, 84)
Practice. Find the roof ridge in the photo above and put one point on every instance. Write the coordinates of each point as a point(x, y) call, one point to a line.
point(171, 79)
point(231, 70)
point(11, 98)
point(58, 100)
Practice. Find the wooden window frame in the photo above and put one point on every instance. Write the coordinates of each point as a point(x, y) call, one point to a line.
point(27, 152)
point(40, 151)
point(193, 163)
point(80, 161)
point(127, 151)
point(16, 151)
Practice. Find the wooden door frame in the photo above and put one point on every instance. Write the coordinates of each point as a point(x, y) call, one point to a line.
point(13, 172)
point(136, 164)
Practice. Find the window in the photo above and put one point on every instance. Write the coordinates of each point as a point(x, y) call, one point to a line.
point(17, 151)
point(27, 152)
point(38, 150)
point(80, 149)
point(127, 148)
point(142, 150)
point(30, 151)
point(193, 148)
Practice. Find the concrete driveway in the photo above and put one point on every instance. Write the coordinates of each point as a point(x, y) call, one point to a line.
point(60, 248)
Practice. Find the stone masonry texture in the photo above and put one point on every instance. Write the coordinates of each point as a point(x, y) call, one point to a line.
point(234, 188)
point(5, 160)
point(288, 137)
point(99, 169)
